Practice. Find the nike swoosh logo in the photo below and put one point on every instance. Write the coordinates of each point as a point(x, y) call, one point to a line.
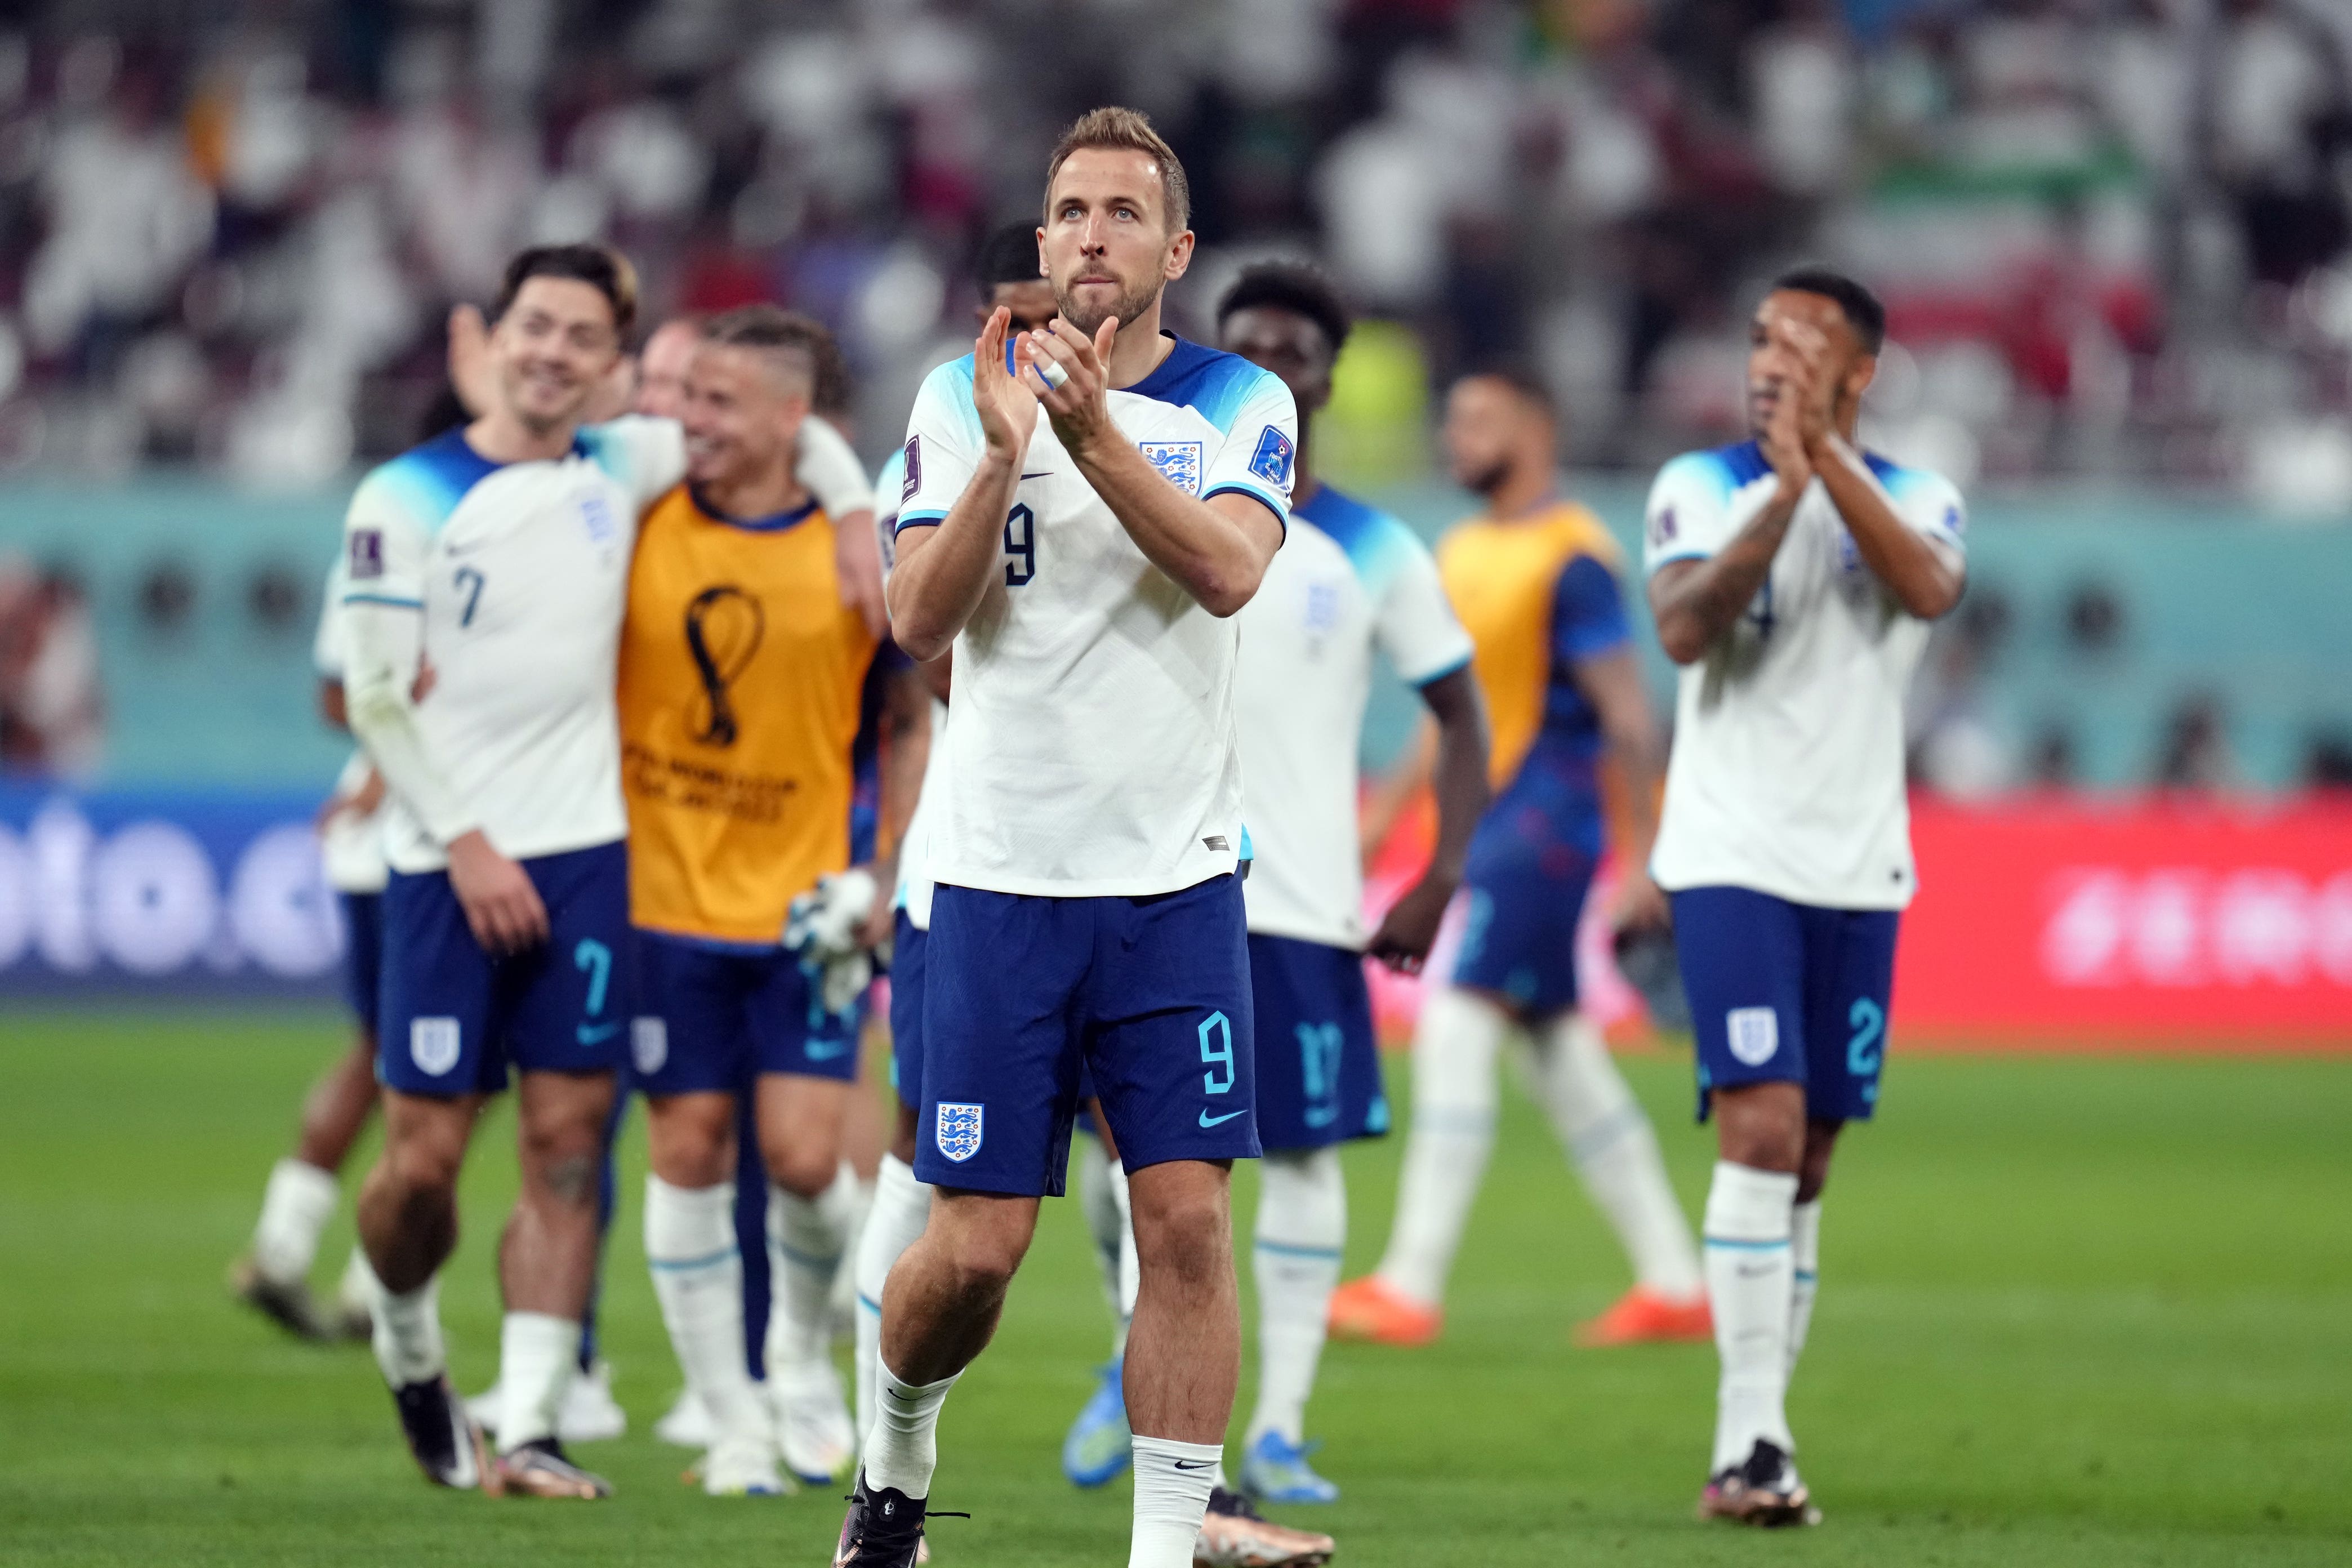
point(597, 1034)
point(1044, 476)
point(1196, 1464)
point(1209, 1121)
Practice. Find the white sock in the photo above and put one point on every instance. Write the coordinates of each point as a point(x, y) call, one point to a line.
point(1748, 1281)
point(805, 1240)
point(1453, 1132)
point(407, 1335)
point(698, 1272)
point(841, 1307)
point(1805, 1274)
point(902, 1206)
point(1131, 1269)
point(903, 1449)
point(296, 1206)
point(1608, 1136)
point(1172, 1494)
point(1099, 1203)
point(539, 1354)
point(1302, 1224)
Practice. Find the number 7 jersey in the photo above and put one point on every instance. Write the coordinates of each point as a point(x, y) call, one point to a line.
point(1091, 742)
point(516, 573)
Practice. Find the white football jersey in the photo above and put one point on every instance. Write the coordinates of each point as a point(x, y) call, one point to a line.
point(351, 847)
point(1348, 579)
point(1091, 747)
point(915, 884)
point(520, 573)
point(1787, 775)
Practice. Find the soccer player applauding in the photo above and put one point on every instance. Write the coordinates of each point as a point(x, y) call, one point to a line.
point(1794, 577)
point(485, 576)
point(1085, 510)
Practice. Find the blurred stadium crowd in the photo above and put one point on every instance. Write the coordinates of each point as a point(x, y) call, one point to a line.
point(2112, 231)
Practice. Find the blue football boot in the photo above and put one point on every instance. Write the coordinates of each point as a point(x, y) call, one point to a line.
point(1274, 1469)
point(1099, 1445)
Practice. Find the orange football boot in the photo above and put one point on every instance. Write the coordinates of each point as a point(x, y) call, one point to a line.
point(1641, 1316)
point(1371, 1308)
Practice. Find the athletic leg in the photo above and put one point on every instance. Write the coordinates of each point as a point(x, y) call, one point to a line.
point(1302, 1224)
point(1608, 1140)
point(697, 1273)
point(1455, 1099)
point(1183, 1353)
point(547, 1257)
point(811, 1202)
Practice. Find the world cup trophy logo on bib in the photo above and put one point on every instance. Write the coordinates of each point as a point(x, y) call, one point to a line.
point(724, 626)
point(958, 1130)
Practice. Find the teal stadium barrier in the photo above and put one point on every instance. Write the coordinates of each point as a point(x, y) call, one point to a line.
point(2212, 600)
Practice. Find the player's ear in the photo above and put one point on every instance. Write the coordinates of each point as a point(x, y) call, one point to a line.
point(1860, 374)
point(1180, 257)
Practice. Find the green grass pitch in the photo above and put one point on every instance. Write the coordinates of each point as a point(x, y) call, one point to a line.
point(2076, 1312)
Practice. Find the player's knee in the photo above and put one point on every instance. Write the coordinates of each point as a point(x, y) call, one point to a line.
point(805, 1172)
point(423, 1166)
point(1189, 1236)
point(1760, 1128)
point(981, 1260)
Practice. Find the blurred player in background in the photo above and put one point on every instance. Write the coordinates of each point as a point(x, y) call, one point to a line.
point(1794, 577)
point(1006, 272)
point(1349, 580)
point(1534, 580)
point(742, 670)
point(273, 1274)
point(497, 555)
point(1088, 912)
point(662, 365)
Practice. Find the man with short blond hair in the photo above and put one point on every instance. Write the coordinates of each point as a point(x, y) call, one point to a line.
point(1084, 511)
point(740, 674)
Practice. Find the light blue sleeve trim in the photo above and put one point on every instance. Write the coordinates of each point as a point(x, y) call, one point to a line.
point(1267, 499)
point(396, 603)
point(1683, 553)
point(1456, 668)
point(917, 519)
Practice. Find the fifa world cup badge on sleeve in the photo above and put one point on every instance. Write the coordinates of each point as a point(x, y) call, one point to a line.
point(1271, 461)
point(367, 554)
point(959, 1131)
point(1179, 463)
point(914, 480)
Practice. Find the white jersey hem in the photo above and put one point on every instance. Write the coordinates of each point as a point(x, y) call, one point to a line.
point(1037, 887)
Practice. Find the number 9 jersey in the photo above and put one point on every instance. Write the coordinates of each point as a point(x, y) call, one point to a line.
point(1092, 748)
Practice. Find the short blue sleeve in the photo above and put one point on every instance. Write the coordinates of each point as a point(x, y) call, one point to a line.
point(1588, 612)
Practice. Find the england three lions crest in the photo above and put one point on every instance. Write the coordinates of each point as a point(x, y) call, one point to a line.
point(1179, 462)
point(958, 1130)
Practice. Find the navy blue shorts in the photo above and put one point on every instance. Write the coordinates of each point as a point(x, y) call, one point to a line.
point(715, 1016)
point(1149, 995)
point(363, 954)
point(1787, 993)
point(1530, 864)
point(1318, 1061)
point(908, 957)
point(453, 1018)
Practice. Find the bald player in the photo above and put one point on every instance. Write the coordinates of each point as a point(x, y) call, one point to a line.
point(1535, 581)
